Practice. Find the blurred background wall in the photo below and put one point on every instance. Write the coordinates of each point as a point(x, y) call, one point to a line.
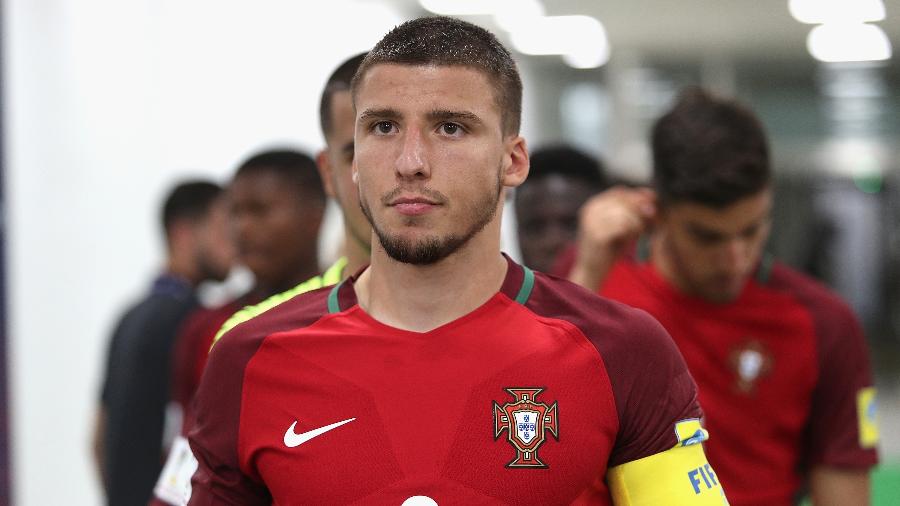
point(108, 102)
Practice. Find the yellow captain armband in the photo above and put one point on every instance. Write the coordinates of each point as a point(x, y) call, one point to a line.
point(680, 476)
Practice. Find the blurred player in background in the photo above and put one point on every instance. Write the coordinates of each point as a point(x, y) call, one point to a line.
point(560, 181)
point(128, 437)
point(781, 362)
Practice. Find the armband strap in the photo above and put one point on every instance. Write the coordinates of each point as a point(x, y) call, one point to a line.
point(680, 476)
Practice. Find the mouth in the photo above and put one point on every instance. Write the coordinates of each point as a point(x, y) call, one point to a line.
point(413, 205)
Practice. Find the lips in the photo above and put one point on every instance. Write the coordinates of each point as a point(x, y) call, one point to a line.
point(413, 206)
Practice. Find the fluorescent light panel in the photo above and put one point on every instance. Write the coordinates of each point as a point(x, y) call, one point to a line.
point(848, 42)
point(580, 39)
point(836, 11)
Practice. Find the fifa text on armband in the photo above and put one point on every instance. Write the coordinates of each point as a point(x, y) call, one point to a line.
point(706, 474)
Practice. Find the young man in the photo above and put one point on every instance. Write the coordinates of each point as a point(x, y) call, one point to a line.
point(337, 121)
point(445, 373)
point(128, 438)
point(781, 362)
point(560, 181)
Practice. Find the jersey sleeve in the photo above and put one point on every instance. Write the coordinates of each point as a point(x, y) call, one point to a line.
point(214, 438)
point(842, 429)
point(658, 457)
point(653, 388)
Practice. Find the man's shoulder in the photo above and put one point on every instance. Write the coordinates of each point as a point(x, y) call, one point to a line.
point(289, 313)
point(821, 301)
point(330, 277)
point(613, 327)
point(153, 314)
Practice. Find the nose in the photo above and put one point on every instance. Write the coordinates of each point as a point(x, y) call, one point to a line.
point(241, 226)
point(737, 254)
point(411, 161)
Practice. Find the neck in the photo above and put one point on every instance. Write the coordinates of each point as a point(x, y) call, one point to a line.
point(183, 267)
point(421, 298)
point(663, 262)
point(357, 252)
point(266, 288)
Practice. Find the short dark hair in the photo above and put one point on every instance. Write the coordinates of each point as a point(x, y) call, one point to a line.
point(445, 41)
point(189, 200)
point(564, 160)
point(293, 166)
point(709, 150)
point(339, 80)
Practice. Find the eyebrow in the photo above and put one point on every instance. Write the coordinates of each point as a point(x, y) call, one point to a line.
point(701, 230)
point(448, 115)
point(435, 115)
point(386, 113)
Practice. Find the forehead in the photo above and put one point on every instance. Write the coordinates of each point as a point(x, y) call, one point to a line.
point(341, 102)
point(262, 183)
point(426, 86)
point(554, 188)
point(341, 109)
point(746, 212)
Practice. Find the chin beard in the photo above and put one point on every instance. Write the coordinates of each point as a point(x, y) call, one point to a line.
point(432, 249)
point(427, 251)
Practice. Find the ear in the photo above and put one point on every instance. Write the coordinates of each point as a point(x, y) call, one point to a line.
point(516, 163)
point(323, 162)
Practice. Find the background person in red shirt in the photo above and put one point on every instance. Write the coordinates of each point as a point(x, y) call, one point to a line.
point(781, 362)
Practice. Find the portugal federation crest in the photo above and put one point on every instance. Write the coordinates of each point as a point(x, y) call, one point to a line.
point(750, 362)
point(526, 422)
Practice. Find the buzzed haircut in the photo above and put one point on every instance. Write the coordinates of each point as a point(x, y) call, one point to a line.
point(445, 41)
point(566, 161)
point(294, 167)
point(339, 80)
point(709, 150)
point(189, 200)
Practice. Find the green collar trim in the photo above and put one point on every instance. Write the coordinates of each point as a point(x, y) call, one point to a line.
point(333, 305)
point(765, 268)
point(642, 249)
point(527, 286)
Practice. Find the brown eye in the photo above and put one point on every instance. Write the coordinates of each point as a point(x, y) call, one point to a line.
point(384, 127)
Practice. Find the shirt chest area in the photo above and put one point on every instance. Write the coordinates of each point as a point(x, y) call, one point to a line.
point(373, 417)
point(761, 351)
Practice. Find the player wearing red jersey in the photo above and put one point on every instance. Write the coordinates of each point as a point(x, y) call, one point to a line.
point(446, 373)
point(781, 363)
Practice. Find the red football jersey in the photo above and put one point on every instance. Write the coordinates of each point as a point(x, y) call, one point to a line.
point(528, 399)
point(192, 349)
point(781, 370)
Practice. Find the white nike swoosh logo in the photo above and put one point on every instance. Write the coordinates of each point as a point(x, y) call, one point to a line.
point(292, 439)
